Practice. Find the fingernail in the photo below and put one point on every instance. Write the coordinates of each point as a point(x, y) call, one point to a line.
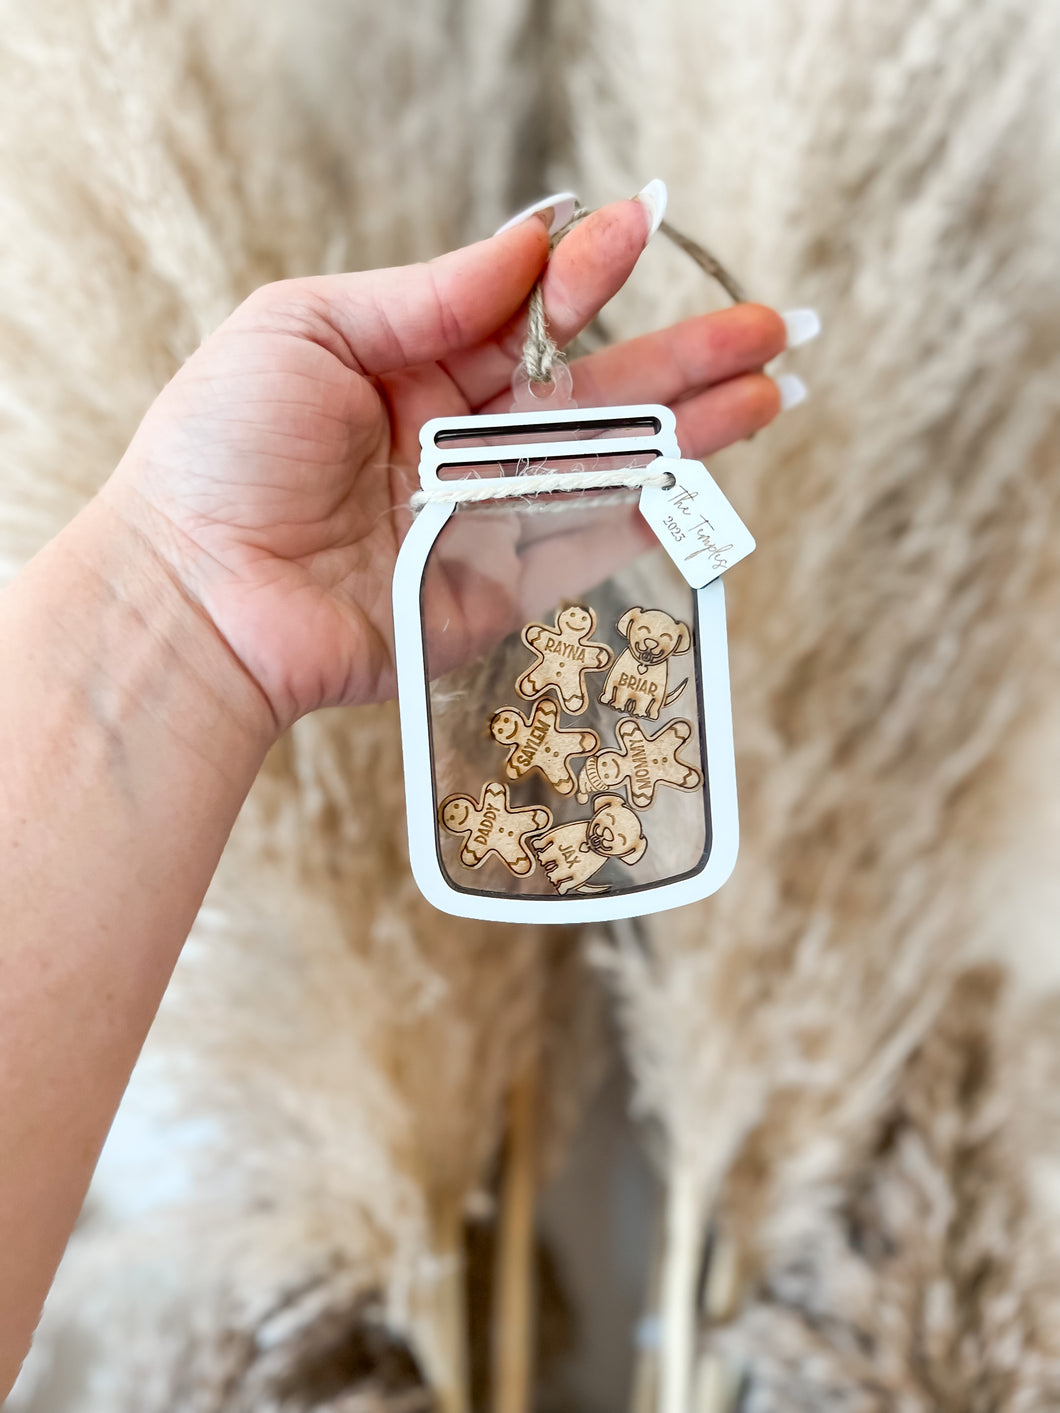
point(562, 204)
point(802, 326)
point(653, 198)
point(792, 390)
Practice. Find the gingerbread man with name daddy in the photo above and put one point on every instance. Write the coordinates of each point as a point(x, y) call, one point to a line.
point(493, 826)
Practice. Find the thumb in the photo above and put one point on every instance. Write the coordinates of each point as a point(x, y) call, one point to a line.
point(377, 321)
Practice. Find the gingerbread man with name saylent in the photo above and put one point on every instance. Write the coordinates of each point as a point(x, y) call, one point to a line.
point(540, 744)
point(564, 656)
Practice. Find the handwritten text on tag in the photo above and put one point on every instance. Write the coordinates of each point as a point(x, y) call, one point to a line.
point(694, 522)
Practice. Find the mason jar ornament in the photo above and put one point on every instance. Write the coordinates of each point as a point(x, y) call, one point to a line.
point(565, 714)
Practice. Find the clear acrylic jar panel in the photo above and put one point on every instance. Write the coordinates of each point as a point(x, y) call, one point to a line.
point(494, 570)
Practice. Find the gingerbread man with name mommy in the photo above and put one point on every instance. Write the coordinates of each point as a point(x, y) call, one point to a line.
point(564, 656)
point(493, 826)
point(540, 744)
point(643, 764)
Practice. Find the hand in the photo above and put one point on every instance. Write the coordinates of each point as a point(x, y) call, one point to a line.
point(272, 475)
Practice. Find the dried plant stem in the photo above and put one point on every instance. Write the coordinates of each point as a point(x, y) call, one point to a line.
point(713, 1386)
point(443, 1344)
point(645, 1391)
point(644, 1388)
point(513, 1321)
point(678, 1290)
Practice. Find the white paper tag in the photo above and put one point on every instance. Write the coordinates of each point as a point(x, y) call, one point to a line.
point(694, 522)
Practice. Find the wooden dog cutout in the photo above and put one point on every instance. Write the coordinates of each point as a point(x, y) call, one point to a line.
point(637, 682)
point(572, 853)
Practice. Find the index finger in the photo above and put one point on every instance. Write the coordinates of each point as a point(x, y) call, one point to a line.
point(587, 268)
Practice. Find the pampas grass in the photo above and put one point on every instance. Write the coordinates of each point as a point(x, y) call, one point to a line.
point(325, 1088)
point(896, 168)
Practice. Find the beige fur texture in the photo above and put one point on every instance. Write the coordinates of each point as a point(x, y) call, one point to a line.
point(859, 1131)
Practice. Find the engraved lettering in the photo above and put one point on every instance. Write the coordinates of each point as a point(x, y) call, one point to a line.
point(704, 532)
point(485, 826)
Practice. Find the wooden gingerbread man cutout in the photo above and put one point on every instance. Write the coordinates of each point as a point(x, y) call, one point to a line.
point(539, 744)
point(492, 826)
point(638, 682)
point(572, 853)
point(643, 763)
point(564, 656)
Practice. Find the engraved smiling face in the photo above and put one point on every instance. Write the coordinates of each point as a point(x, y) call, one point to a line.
point(608, 768)
point(505, 727)
point(653, 635)
point(615, 831)
point(575, 620)
point(456, 813)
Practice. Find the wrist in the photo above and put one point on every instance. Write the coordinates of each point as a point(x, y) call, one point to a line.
point(123, 618)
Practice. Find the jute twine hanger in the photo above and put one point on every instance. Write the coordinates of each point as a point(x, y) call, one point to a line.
point(541, 353)
point(541, 358)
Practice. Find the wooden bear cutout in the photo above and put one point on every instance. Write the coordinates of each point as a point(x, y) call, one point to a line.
point(571, 853)
point(540, 744)
point(642, 765)
point(564, 656)
point(493, 826)
point(637, 682)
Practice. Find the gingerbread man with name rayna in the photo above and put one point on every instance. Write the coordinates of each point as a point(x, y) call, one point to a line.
point(493, 826)
point(642, 765)
point(564, 656)
point(540, 744)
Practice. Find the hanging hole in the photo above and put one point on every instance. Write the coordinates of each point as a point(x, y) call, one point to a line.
point(542, 397)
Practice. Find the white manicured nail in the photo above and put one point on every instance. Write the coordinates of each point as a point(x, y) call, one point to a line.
point(563, 204)
point(792, 390)
point(653, 198)
point(802, 326)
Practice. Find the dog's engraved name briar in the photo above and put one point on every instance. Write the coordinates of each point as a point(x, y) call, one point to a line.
point(695, 523)
point(639, 680)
